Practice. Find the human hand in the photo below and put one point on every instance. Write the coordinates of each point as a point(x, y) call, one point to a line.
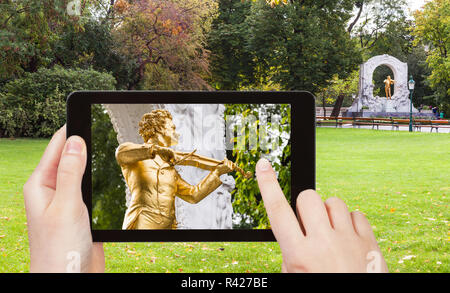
point(325, 237)
point(167, 154)
point(58, 223)
point(225, 167)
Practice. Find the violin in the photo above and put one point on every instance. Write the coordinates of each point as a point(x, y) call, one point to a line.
point(205, 163)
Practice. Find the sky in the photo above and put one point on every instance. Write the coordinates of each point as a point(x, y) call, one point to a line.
point(415, 4)
point(412, 5)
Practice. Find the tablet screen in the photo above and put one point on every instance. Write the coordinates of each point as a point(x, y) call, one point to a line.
point(185, 166)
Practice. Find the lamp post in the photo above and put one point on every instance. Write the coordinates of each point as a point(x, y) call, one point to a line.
point(411, 89)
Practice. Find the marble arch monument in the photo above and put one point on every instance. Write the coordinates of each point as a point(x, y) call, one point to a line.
point(376, 106)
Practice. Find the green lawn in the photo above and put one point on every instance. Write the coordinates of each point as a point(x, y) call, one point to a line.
point(400, 180)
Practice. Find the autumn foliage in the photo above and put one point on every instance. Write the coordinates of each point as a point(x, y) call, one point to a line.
point(162, 36)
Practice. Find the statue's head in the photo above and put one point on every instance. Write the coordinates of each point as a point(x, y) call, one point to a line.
point(158, 127)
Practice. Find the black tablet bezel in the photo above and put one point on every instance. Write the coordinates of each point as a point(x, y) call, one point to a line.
point(302, 154)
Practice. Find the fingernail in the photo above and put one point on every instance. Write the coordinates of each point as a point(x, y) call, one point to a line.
point(74, 145)
point(263, 165)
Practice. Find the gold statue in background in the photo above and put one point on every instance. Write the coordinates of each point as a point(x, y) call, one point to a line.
point(387, 86)
point(149, 172)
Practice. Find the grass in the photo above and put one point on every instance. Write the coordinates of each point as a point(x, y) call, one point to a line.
point(398, 179)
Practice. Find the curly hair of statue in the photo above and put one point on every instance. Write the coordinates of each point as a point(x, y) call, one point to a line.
point(153, 122)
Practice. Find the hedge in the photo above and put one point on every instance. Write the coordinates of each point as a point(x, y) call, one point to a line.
point(35, 104)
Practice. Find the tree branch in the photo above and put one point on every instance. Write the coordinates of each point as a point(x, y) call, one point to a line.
point(350, 27)
point(13, 14)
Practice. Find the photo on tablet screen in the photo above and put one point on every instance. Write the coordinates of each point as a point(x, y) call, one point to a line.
point(185, 166)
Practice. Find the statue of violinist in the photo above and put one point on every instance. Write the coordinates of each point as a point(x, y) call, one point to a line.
point(154, 183)
point(387, 86)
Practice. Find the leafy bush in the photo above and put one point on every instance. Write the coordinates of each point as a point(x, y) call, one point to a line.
point(108, 185)
point(35, 105)
point(248, 207)
point(12, 120)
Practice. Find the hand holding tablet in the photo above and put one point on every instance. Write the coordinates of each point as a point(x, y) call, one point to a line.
point(57, 218)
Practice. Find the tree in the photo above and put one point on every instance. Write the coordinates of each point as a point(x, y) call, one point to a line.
point(345, 88)
point(93, 47)
point(300, 45)
point(419, 69)
point(432, 28)
point(164, 36)
point(303, 44)
point(28, 32)
point(369, 17)
point(373, 18)
point(231, 63)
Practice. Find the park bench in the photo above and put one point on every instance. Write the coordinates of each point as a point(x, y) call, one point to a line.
point(358, 121)
point(436, 124)
point(394, 123)
point(320, 121)
point(374, 122)
point(380, 121)
point(432, 124)
point(323, 121)
point(337, 121)
point(419, 123)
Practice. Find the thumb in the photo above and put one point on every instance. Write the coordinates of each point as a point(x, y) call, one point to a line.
point(70, 173)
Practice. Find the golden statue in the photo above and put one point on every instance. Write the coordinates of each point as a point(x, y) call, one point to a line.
point(387, 86)
point(149, 172)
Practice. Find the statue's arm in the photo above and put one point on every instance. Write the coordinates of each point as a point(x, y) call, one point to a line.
point(194, 194)
point(129, 153)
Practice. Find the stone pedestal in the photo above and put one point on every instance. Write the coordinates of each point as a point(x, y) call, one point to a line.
point(389, 106)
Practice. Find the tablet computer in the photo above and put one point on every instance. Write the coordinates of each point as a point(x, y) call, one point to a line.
point(179, 165)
